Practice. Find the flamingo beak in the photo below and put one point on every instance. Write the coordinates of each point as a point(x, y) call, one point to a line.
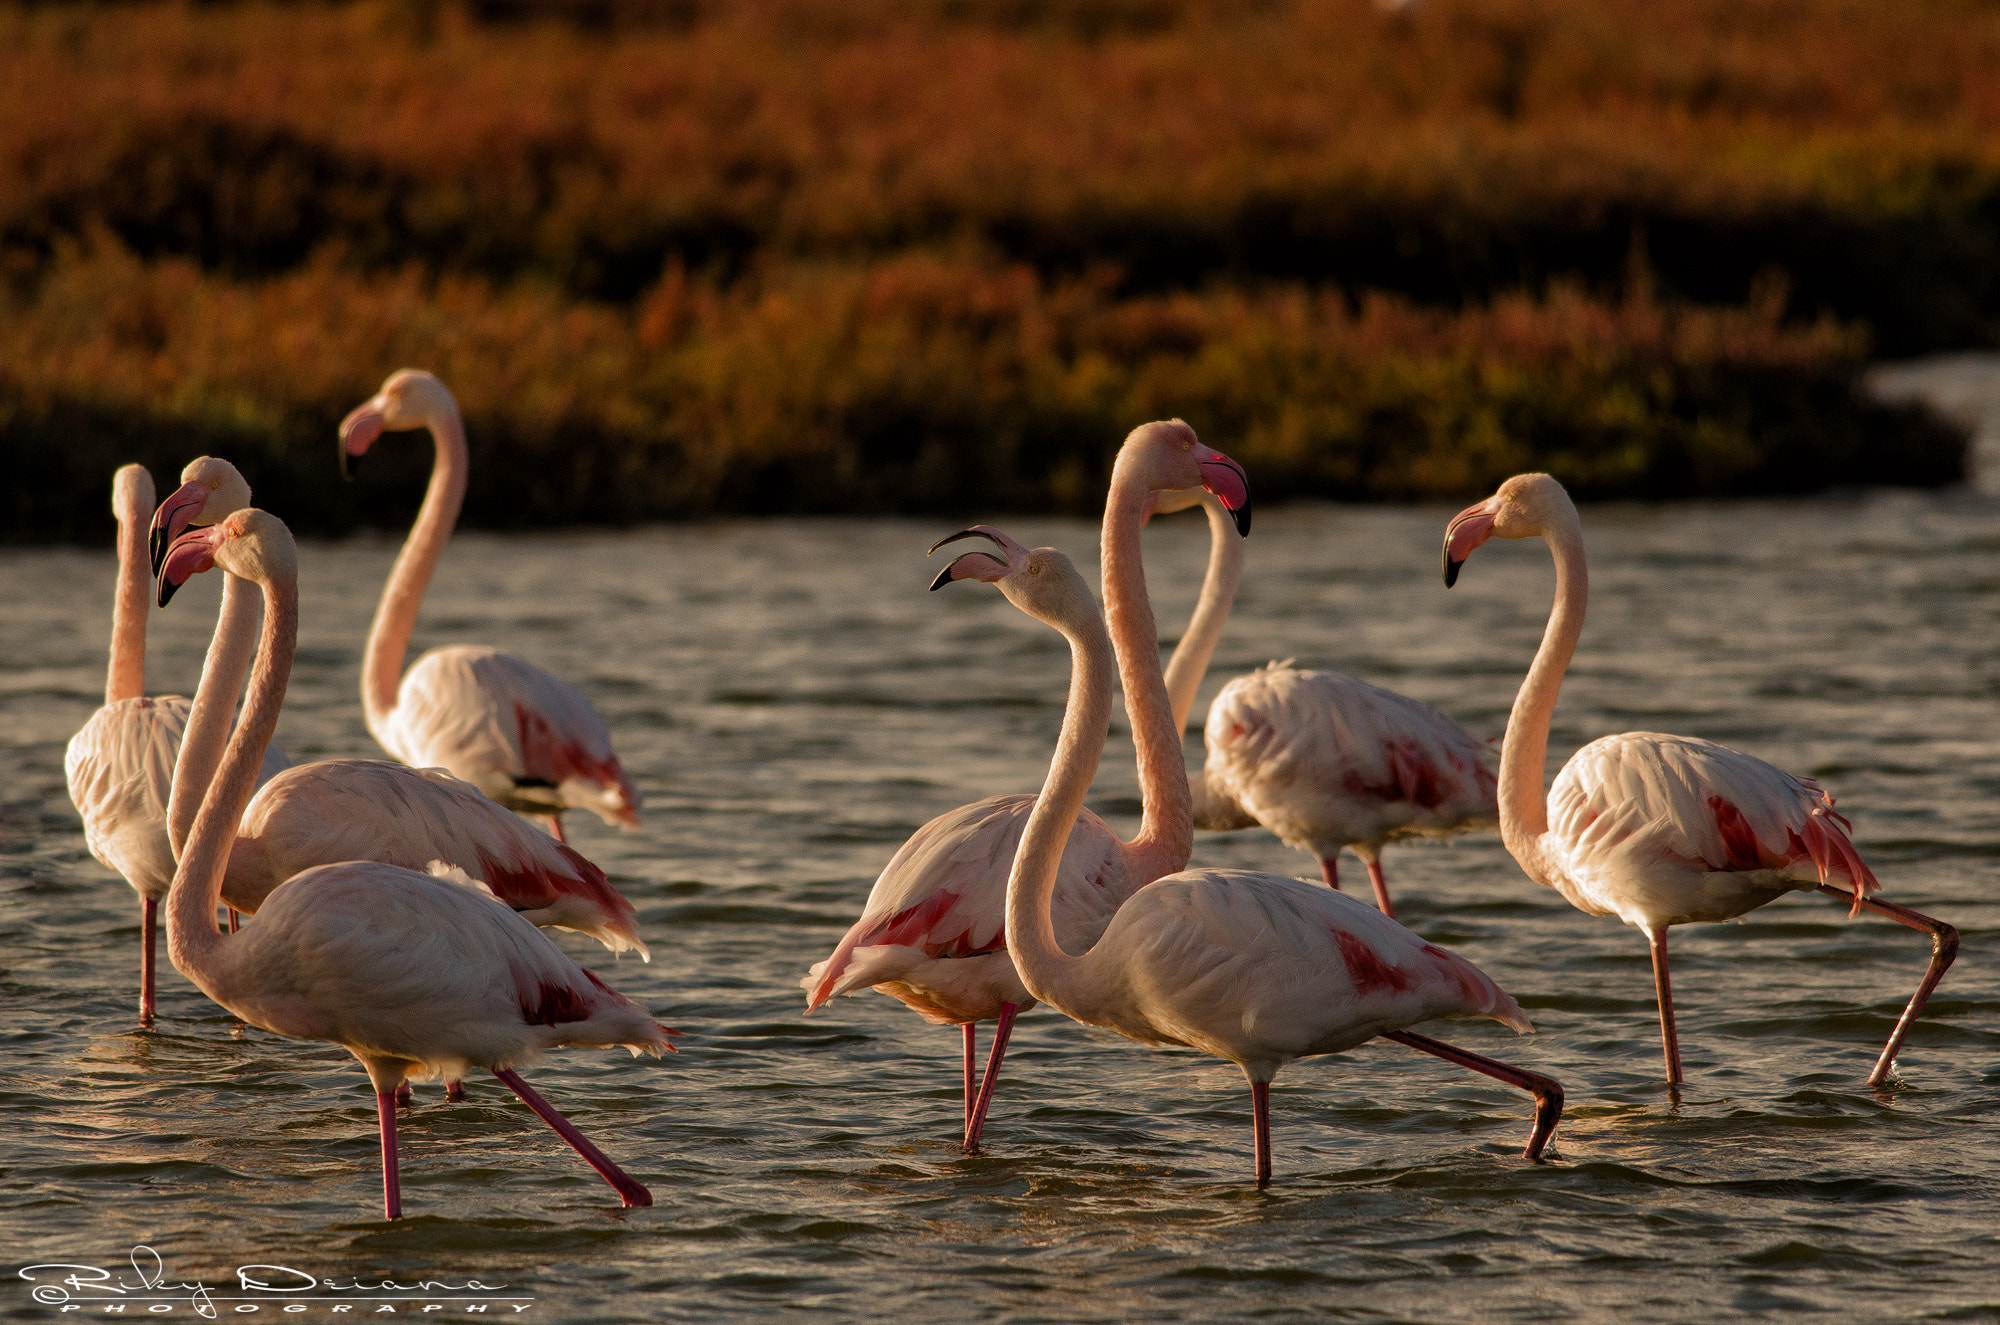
point(1467, 530)
point(1226, 479)
point(191, 554)
point(173, 516)
point(977, 565)
point(358, 432)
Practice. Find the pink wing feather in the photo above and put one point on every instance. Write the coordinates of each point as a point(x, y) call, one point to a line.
point(524, 737)
point(944, 894)
point(1692, 804)
point(370, 809)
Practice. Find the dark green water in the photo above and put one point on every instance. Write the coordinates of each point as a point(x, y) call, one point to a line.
point(794, 703)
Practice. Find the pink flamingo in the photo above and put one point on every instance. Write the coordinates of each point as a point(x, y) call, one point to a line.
point(1321, 759)
point(365, 809)
point(525, 738)
point(930, 933)
point(1658, 830)
point(1254, 968)
point(120, 766)
point(415, 975)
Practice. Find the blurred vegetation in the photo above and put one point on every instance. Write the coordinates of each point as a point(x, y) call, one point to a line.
point(679, 256)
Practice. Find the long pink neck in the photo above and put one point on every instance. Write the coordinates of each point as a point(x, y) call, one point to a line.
point(403, 595)
point(1166, 827)
point(1189, 663)
point(229, 654)
point(192, 941)
point(1048, 971)
point(1524, 811)
point(126, 678)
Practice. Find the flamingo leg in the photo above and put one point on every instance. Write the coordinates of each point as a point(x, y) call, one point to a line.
point(392, 1187)
point(970, 1034)
point(1381, 886)
point(1944, 949)
point(235, 921)
point(1548, 1092)
point(404, 1098)
point(1670, 1040)
point(1260, 1129)
point(628, 1188)
point(555, 829)
point(1329, 870)
point(454, 1091)
point(149, 919)
point(992, 1077)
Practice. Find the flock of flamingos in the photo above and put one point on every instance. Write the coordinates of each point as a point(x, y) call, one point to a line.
point(393, 907)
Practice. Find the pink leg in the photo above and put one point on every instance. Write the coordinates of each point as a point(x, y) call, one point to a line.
point(1381, 887)
point(235, 920)
point(1663, 985)
point(627, 1187)
point(392, 1187)
point(1547, 1091)
point(1944, 948)
point(970, 1034)
point(1329, 869)
point(555, 829)
point(1260, 1129)
point(404, 1099)
point(149, 919)
point(454, 1091)
point(992, 1078)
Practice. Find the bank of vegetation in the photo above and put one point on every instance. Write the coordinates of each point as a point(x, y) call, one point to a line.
point(685, 256)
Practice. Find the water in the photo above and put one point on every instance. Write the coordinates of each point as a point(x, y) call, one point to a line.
point(794, 704)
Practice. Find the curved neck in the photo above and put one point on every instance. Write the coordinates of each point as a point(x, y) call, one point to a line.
point(1166, 827)
point(1190, 660)
point(403, 595)
point(1524, 811)
point(126, 678)
point(1044, 967)
point(207, 731)
point(192, 940)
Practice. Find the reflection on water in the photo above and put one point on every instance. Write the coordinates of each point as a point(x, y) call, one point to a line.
point(793, 704)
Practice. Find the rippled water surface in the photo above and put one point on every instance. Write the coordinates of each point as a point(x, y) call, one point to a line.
point(793, 704)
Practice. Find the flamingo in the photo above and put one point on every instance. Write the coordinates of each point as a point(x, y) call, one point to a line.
point(1322, 760)
point(1659, 830)
point(366, 809)
point(528, 740)
point(417, 975)
point(930, 932)
point(120, 766)
point(1253, 968)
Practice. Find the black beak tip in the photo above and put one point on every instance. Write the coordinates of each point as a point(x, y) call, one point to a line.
point(1242, 514)
point(167, 590)
point(1451, 570)
point(348, 464)
point(943, 578)
point(159, 549)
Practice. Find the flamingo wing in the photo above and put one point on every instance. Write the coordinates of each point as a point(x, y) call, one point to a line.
point(944, 895)
point(120, 769)
point(1261, 969)
point(370, 809)
point(1641, 805)
point(528, 739)
point(398, 964)
point(1326, 761)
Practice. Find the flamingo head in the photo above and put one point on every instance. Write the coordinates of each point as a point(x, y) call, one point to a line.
point(210, 489)
point(251, 544)
point(410, 398)
point(1041, 581)
point(1525, 506)
point(1170, 458)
